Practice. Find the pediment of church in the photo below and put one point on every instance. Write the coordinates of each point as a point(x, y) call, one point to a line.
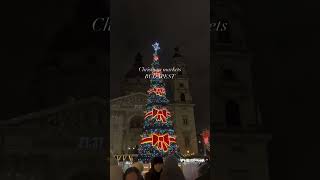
point(129, 101)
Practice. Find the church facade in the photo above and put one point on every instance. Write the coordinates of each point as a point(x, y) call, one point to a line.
point(127, 111)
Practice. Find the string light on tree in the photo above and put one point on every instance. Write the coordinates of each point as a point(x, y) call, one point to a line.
point(158, 136)
point(161, 91)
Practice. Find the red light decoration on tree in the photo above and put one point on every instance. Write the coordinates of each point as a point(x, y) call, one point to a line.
point(158, 91)
point(160, 114)
point(160, 141)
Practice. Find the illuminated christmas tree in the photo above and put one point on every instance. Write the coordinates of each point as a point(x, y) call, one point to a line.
point(158, 137)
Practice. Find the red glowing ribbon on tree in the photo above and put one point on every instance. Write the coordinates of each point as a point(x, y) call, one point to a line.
point(157, 91)
point(159, 114)
point(162, 142)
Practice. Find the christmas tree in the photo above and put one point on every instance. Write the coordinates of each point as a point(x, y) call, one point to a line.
point(158, 137)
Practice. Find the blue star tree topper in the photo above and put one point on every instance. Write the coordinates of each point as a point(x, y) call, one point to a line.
point(156, 46)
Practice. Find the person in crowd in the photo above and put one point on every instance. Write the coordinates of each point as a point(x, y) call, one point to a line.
point(132, 173)
point(171, 170)
point(155, 170)
point(139, 166)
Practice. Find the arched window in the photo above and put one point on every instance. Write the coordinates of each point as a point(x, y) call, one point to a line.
point(232, 114)
point(136, 122)
point(183, 97)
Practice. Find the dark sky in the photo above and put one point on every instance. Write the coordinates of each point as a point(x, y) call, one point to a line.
point(25, 40)
point(137, 24)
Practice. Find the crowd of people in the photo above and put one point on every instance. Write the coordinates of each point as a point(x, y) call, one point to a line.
point(160, 170)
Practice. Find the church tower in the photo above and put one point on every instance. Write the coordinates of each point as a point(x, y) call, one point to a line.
point(183, 108)
point(240, 144)
point(134, 80)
